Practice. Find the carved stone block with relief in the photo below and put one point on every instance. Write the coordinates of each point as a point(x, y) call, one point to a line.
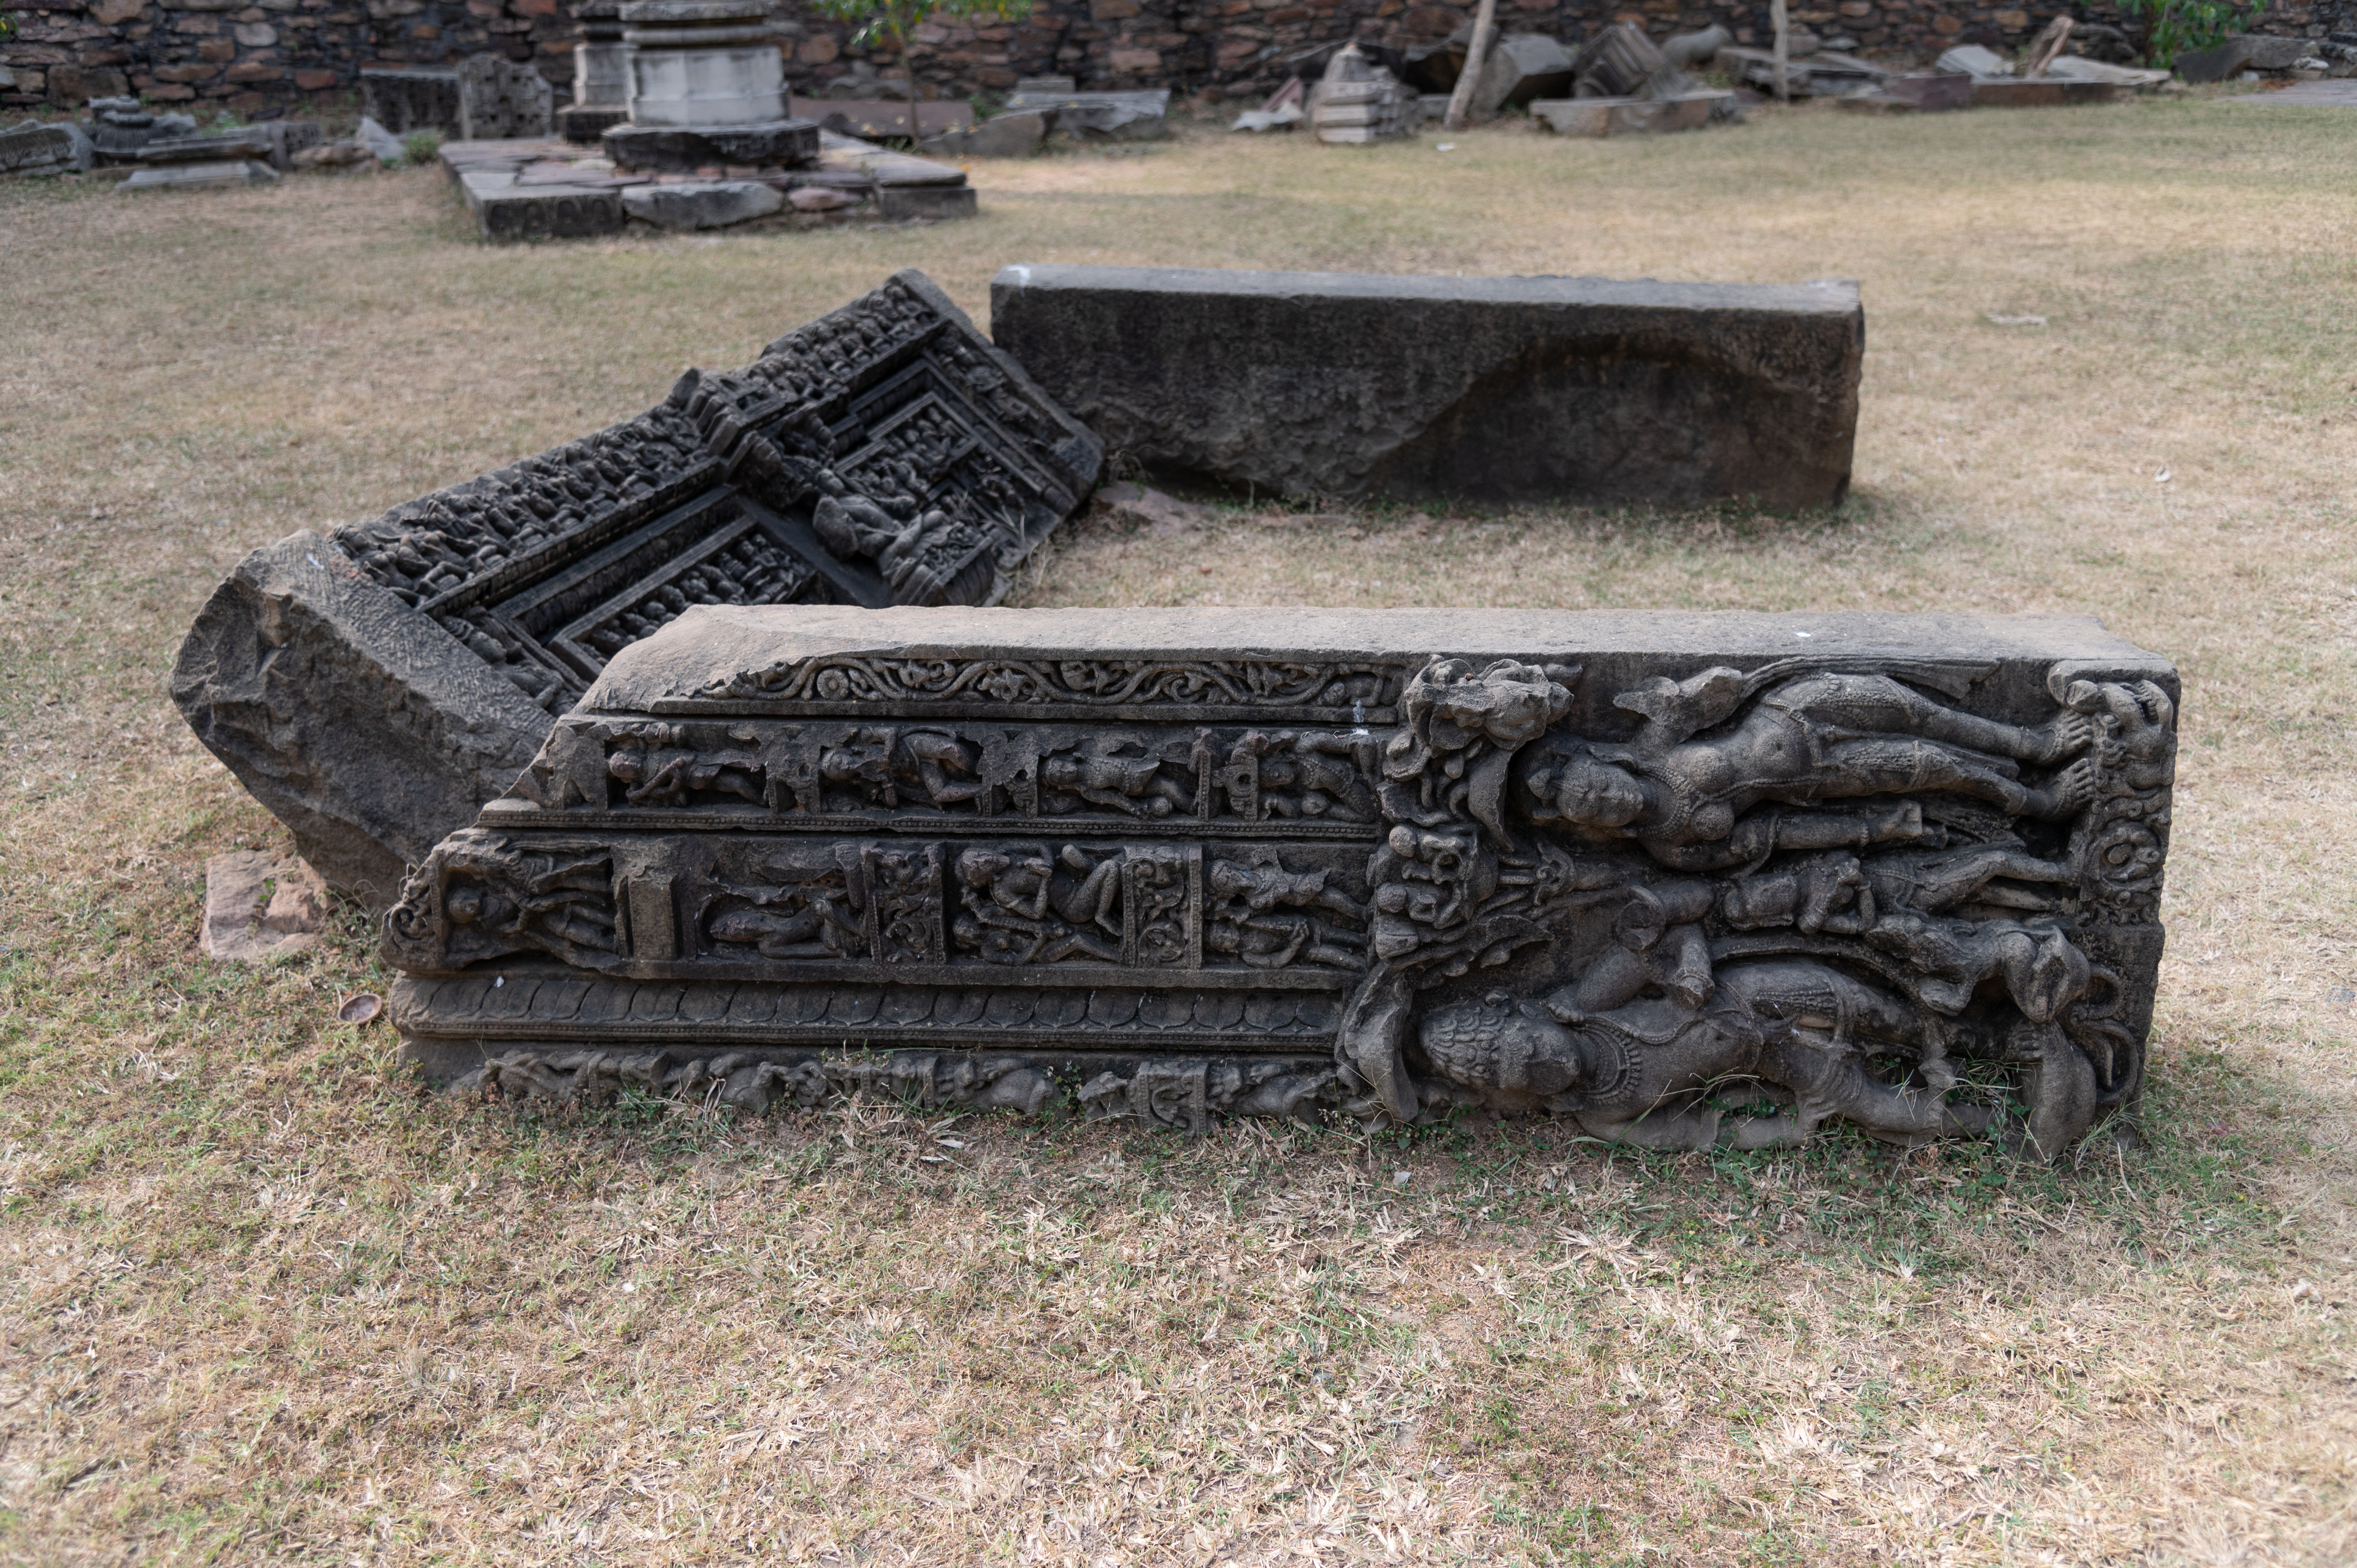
point(1691, 879)
point(376, 687)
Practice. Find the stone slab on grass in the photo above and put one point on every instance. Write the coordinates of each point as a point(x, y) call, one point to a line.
point(260, 906)
point(34, 148)
point(200, 176)
point(1630, 117)
point(508, 211)
point(1566, 391)
point(701, 204)
point(2042, 92)
point(1016, 136)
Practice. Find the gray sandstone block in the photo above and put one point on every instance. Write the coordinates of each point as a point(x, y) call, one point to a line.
point(789, 144)
point(374, 690)
point(1576, 391)
point(361, 724)
point(34, 148)
point(703, 204)
point(506, 212)
point(1689, 880)
point(200, 176)
point(897, 201)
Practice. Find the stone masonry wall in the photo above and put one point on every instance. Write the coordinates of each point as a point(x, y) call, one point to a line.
point(248, 56)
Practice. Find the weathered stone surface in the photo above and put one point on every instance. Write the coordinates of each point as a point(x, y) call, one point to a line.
point(1358, 103)
point(2045, 92)
point(1521, 66)
point(258, 907)
point(34, 148)
point(374, 690)
point(703, 62)
point(380, 141)
point(274, 142)
point(586, 123)
point(499, 98)
point(1101, 116)
point(1632, 117)
point(1568, 389)
point(1016, 136)
point(361, 724)
point(787, 144)
point(411, 99)
point(1207, 863)
point(120, 127)
point(2251, 51)
point(1932, 91)
point(881, 116)
point(701, 204)
point(508, 210)
point(200, 176)
point(931, 201)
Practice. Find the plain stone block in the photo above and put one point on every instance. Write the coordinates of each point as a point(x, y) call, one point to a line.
point(1576, 391)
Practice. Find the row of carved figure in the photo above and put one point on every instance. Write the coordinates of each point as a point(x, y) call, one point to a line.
point(1817, 884)
point(1254, 775)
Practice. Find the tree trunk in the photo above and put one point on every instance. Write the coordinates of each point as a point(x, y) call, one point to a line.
point(1477, 55)
point(908, 71)
point(1782, 18)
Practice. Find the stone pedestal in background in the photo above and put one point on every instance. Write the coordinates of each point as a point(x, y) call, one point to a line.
point(703, 62)
point(601, 74)
point(707, 86)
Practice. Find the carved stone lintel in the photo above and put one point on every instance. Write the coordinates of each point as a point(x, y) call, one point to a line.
point(1661, 875)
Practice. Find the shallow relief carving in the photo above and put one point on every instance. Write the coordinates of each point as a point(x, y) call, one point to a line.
point(1690, 905)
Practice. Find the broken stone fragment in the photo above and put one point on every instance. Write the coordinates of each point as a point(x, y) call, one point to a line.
point(373, 690)
point(701, 204)
point(1165, 516)
point(260, 906)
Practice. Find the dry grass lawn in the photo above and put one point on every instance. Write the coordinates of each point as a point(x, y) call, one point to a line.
point(261, 1299)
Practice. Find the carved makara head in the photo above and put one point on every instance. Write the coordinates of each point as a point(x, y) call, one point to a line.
point(1498, 1043)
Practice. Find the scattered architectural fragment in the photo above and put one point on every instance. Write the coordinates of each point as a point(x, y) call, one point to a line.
point(120, 127)
point(226, 176)
point(2246, 52)
point(1357, 101)
point(410, 98)
point(1100, 117)
point(1521, 68)
point(703, 62)
point(1016, 136)
point(601, 74)
point(34, 148)
point(375, 688)
point(701, 203)
point(1562, 390)
point(499, 99)
point(1217, 863)
point(885, 116)
point(272, 142)
point(260, 906)
point(1689, 111)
